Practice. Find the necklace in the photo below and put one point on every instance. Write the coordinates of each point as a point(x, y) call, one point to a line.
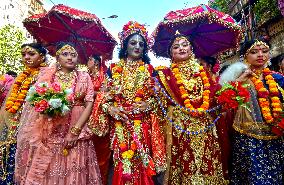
point(264, 95)
point(65, 79)
point(20, 89)
point(186, 85)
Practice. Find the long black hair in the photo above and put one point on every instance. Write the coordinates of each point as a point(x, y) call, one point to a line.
point(123, 51)
point(97, 59)
point(248, 43)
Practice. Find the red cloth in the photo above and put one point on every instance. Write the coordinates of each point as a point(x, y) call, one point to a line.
point(102, 147)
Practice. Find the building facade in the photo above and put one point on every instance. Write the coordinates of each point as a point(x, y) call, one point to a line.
point(15, 11)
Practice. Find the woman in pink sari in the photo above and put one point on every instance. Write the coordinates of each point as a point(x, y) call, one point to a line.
point(59, 150)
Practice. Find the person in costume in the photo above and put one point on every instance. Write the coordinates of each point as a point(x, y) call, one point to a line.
point(257, 144)
point(186, 91)
point(129, 108)
point(59, 150)
point(33, 58)
point(6, 81)
point(102, 143)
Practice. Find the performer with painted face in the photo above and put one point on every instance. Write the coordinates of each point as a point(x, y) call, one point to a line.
point(258, 147)
point(59, 150)
point(130, 109)
point(193, 151)
point(33, 57)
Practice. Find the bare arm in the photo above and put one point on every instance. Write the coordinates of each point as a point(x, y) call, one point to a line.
point(85, 115)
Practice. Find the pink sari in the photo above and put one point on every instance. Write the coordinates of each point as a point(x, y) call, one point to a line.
point(39, 158)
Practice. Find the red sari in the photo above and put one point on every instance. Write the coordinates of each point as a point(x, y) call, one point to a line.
point(101, 141)
point(194, 158)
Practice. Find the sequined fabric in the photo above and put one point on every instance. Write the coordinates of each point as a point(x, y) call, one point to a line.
point(256, 161)
point(194, 159)
point(39, 157)
point(150, 132)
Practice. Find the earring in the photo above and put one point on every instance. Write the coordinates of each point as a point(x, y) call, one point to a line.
point(43, 64)
point(58, 66)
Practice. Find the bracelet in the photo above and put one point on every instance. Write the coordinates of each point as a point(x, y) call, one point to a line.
point(75, 130)
point(105, 106)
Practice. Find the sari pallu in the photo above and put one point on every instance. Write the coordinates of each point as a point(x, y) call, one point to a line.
point(40, 159)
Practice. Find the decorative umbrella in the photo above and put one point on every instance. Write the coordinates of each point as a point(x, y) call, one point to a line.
point(63, 23)
point(209, 31)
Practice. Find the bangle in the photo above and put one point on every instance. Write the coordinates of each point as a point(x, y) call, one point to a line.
point(75, 130)
point(106, 106)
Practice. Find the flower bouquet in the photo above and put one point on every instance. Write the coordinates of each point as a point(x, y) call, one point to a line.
point(52, 100)
point(232, 95)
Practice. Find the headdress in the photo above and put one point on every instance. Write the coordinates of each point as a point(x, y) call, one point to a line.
point(65, 47)
point(257, 43)
point(133, 27)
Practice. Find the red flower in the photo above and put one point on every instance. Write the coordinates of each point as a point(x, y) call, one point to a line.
point(41, 106)
point(151, 168)
point(56, 87)
point(40, 90)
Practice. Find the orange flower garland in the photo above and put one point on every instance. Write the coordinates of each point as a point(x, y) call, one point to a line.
point(20, 89)
point(263, 95)
point(184, 93)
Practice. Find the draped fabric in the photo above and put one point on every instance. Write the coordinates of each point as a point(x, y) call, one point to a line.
point(257, 153)
point(192, 159)
point(39, 157)
point(150, 131)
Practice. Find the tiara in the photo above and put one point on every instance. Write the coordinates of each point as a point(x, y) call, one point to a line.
point(133, 27)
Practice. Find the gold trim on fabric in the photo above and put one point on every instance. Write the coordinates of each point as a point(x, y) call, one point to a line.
point(164, 81)
point(281, 91)
point(169, 153)
point(254, 135)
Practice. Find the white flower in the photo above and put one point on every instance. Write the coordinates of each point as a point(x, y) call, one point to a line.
point(55, 103)
point(29, 98)
point(32, 91)
point(65, 109)
point(68, 91)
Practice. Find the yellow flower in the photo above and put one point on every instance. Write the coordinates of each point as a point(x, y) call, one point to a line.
point(184, 96)
point(175, 70)
point(200, 109)
point(137, 122)
point(141, 68)
point(127, 154)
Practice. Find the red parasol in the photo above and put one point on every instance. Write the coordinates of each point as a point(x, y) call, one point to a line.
point(209, 31)
point(63, 23)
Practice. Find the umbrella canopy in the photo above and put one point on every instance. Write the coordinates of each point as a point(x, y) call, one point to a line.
point(63, 23)
point(209, 31)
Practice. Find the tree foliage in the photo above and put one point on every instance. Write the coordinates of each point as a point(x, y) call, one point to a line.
point(11, 39)
point(221, 5)
point(266, 9)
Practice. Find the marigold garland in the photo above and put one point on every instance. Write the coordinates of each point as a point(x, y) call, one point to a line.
point(126, 153)
point(184, 94)
point(20, 89)
point(269, 115)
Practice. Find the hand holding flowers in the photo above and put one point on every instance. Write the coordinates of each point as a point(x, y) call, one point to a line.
point(50, 99)
point(232, 95)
